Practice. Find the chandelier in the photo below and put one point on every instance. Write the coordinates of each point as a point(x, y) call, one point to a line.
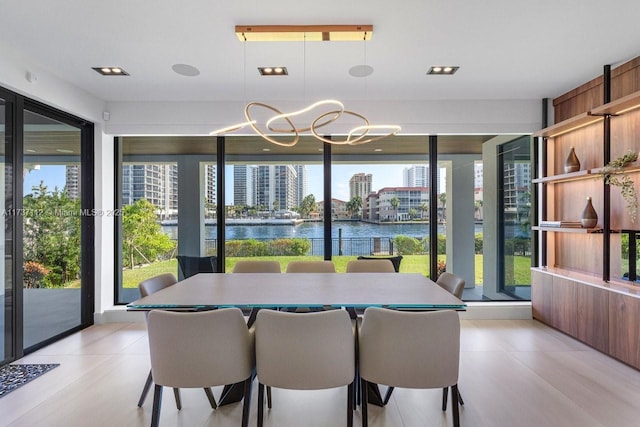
point(283, 125)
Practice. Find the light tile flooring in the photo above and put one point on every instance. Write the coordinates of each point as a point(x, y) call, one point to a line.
point(513, 373)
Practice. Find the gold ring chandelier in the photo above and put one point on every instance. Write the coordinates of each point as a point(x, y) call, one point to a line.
point(283, 123)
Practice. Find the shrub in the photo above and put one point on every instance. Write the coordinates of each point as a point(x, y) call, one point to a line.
point(33, 274)
point(405, 245)
point(275, 247)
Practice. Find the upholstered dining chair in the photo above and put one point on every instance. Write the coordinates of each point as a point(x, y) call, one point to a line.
point(454, 285)
point(148, 287)
point(192, 265)
point(395, 260)
point(431, 359)
point(370, 266)
point(203, 349)
point(311, 267)
point(317, 351)
point(251, 266)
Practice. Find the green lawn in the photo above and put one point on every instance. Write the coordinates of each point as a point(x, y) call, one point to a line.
point(410, 264)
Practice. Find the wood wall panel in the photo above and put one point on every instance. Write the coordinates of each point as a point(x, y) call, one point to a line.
point(587, 143)
point(541, 295)
point(625, 79)
point(624, 327)
point(582, 252)
point(563, 315)
point(593, 316)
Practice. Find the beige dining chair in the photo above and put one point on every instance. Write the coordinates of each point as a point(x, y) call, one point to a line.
point(250, 266)
point(454, 285)
point(304, 351)
point(431, 358)
point(311, 267)
point(200, 350)
point(370, 266)
point(146, 288)
point(451, 283)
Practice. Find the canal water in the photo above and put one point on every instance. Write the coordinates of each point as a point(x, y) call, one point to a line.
point(315, 230)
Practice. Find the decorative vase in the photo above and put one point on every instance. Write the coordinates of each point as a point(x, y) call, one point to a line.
point(589, 218)
point(572, 164)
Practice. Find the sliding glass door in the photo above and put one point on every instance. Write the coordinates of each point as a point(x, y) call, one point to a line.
point(6, 243)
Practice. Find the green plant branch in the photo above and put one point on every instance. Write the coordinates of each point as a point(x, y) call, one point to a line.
point(613, 174)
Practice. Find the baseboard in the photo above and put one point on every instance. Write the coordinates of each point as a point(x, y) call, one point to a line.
point(509, 310)
point(475, 311)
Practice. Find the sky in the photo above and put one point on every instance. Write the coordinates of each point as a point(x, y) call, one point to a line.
point(52, 176)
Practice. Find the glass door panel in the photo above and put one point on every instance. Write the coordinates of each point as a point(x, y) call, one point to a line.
point(6, 244)
point(51, 228)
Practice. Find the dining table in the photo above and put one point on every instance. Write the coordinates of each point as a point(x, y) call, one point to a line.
point(255, 291)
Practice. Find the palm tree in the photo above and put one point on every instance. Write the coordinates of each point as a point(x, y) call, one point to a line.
point(395, 204)
point(424, 208)
point(443, 203)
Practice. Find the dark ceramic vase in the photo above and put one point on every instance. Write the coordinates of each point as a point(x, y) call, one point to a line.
point(572, 164)
point(589, 218)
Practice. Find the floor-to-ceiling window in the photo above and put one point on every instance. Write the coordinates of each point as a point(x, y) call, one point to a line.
point(380, 201)
point(47, 218)
point(274, 198)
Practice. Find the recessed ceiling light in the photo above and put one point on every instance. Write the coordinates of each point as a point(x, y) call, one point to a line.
point(110, 71)
point(443, 70)
point(185, 70)
point(29, 150)
point(266, 149)
point(378, 149)
point(62, 150)
point(273, 71)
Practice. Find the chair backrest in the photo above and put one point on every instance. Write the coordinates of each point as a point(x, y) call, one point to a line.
point(410, 349)
point(452, 283)
point(311, 267)
point(305, 351)
point(192, 265)
point(370, 266)
point(395, 260)
point(257, 267)
point(156, 283)
point(205, 349)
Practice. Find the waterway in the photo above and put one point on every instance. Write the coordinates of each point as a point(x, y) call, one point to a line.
point(315, 230)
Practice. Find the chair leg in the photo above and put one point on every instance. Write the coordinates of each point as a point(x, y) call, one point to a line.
point(176, 393)
point(350, 405)
point(454, 405)
point(445, 391)
point(364, 392)
point(246, 404)
point(387, 395)
point(260, 404)
point(460, 398)
point(269, 397)
point(212, 400)
point(145, 390)
point(157, 404)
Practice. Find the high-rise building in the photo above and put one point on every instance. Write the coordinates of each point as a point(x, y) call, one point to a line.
point(276, 187)
point(301, 184)
point(72, 181)
point(210, 184)
point(245, 185)
point(360, 185)
point(157, 183)
point(416, 176)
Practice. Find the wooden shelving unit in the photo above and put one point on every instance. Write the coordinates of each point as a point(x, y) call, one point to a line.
point(579, 287)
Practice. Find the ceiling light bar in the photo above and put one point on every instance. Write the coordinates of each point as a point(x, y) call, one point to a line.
point(282, 33)
point(445, 70)
point(110, 71)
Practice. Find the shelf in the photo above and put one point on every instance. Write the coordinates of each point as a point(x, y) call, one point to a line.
point(579, 230)
point(628, 169)
point(616, 285)
point(579, 121)
point(571, 176)
point(619, 106)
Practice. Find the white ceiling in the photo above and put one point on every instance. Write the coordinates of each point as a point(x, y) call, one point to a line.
point(506, 49)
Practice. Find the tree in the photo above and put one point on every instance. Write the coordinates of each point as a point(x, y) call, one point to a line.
point(307, 205)
point(354, 205)
point(424, 210)
point(276, 205)
point(443, 202)
point(395, 204)
point(142, 236)
point(52, 234)
point(413, 213)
